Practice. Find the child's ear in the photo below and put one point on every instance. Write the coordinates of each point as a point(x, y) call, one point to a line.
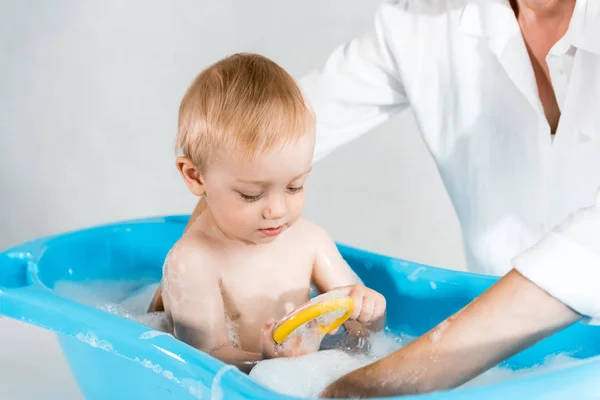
point(191, 175)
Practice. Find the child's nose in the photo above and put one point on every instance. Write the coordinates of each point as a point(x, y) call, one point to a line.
point(276, 208)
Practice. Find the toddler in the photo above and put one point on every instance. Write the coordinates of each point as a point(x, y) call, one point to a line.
point(246, 137)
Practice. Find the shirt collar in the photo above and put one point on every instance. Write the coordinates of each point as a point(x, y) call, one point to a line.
point(584, 30)
point(576, 33)
point(496, 21)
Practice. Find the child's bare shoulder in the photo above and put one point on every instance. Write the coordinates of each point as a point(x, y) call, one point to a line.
point(311, 232)
point(192, 254)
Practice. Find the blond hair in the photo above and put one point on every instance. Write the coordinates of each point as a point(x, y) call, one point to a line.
point(244, 103)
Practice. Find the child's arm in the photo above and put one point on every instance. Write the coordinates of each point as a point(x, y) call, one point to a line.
point(330, 271)
point(509, 317)
point(194, 299)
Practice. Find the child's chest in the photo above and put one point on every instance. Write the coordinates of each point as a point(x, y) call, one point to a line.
point(270, 283)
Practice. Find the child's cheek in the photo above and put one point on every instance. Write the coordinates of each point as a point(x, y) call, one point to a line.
point(297, 204)
point(248, 214)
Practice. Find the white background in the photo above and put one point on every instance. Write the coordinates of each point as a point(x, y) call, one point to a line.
point(89, 93)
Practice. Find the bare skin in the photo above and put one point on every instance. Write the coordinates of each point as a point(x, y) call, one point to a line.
point(510, 316)
point(543, 23)
point(249, 259)
point(156, 305)
point(237, 285)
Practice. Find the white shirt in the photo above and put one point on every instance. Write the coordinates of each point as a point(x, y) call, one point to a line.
point(566, 262)
point(464, 69)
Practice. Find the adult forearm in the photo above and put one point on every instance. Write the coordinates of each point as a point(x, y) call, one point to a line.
point(509, 317)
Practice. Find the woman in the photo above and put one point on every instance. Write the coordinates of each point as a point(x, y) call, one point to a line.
point(490, 82)
point(506, 95)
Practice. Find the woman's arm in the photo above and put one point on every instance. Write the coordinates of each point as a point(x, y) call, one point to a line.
point(509, 317)
point(553, 284)
point(358, 88)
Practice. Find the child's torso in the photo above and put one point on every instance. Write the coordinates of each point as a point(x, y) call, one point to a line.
point(265, 282)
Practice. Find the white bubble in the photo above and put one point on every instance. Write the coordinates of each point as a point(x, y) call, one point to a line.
point(194, 387)
point(232, 331)
point(155, 367)
point(151, 334)
point(216, 391)
point(93, 340)
point(436, 334)
point(500, 374)
point(414, 275)
point(308, 375)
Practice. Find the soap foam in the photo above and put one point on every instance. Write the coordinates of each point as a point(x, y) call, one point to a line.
point(128, 298)
point(307, 376)
point(500, 374)
point(304, 376)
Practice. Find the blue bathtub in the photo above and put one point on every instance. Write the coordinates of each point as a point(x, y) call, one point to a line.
point(112, 357)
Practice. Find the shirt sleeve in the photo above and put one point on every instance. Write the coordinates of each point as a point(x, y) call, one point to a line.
point(357, 89)
point(566, 262)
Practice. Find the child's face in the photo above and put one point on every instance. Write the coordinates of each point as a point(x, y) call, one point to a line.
point(254, 201)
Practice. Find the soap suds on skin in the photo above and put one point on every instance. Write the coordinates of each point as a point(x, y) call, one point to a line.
point(436, 334)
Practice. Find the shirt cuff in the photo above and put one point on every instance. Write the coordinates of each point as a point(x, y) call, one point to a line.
point(566, 262)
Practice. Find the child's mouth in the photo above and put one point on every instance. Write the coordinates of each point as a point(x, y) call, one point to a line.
point(272, 231)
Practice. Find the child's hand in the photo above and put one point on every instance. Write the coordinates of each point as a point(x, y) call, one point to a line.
point(369, 305)
point(294, 346)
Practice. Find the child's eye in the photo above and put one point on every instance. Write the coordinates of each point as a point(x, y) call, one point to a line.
point(249, 198)
point(295, 189)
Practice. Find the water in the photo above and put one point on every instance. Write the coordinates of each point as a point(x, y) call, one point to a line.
point(304, 376)
point(129, 299)
point(500, 374)
point(309, 375)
